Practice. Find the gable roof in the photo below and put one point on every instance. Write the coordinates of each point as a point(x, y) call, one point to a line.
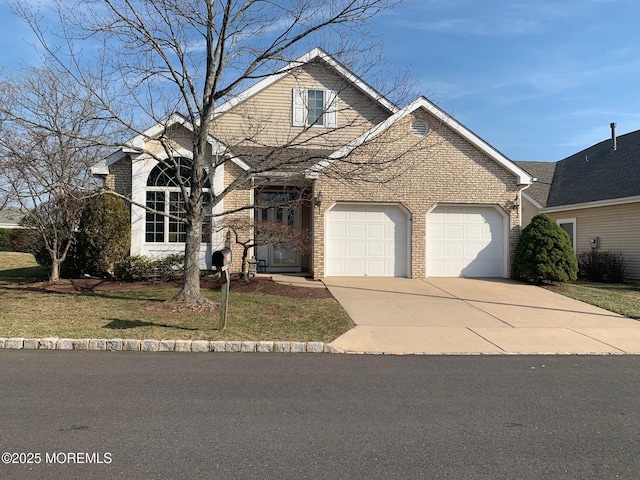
point(598, 173)
point(421, 102)
point(543, 173)
point(102, 167)
point(136, 144)
point(278, 161)
point(315, 54)
point(10, 217)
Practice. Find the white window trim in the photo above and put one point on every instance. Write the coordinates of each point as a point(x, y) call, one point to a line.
point(300, 102)
point(574, 239)
point(167, 191)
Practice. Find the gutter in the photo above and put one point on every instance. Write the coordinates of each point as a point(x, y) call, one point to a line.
point(597, 203)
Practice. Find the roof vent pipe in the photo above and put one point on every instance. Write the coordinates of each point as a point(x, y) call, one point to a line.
point(613, 137)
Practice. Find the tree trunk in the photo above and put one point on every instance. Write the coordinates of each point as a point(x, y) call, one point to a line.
point(54, 274)
point(244, 271)
point(190, 292)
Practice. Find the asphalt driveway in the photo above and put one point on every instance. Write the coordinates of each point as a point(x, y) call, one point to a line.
point(474, 316)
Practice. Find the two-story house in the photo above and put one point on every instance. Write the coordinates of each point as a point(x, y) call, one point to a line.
point(385, 191)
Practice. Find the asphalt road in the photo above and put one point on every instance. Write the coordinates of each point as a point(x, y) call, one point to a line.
point(127, 415)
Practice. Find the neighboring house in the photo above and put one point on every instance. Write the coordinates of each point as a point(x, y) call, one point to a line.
point(448, 208)
point(10, 217)
point(594, 195)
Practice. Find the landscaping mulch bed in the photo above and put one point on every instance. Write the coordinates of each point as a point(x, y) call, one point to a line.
point(261, 285)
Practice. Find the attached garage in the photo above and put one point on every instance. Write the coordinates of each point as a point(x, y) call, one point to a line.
point(465, 241)
point(367, 240)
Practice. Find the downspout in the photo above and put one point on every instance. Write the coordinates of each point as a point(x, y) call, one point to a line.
point(252, 214)
point(520, 203)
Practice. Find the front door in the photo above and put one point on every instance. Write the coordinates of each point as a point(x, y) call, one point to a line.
point(277, 257)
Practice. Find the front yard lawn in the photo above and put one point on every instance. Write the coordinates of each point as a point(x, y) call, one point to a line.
point(620, 298)
point(96, 309)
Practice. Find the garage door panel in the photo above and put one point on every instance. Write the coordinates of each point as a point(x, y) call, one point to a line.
point(356, 231)
point(454, 232)
point(454, 217)
point(377, 268)
point(475, 232)
point(374, 241)
point(465, 241)
point(473, 250)
point(482, 268)
point(493, 251)
point(356, 249)
point(339, 216)
point(355, 268)
point(453, 250)
point(339, 231)
point(378, 231)
point(378, 250)
point(338, 249)
point(340, 267)
point(436, 269)
point(376, 215)
point(357, 215)
point(453, 268)
point(436, 251)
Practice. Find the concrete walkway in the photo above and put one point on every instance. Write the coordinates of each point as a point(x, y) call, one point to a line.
point(293, 279)
point(474, 316)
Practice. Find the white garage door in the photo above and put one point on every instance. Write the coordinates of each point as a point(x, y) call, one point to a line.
point(465, 242)
point(366, 240)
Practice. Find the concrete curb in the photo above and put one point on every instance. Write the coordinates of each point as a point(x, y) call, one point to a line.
point(227, 346)
point(150, 345)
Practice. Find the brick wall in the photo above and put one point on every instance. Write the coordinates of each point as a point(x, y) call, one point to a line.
point(238, 198)
point(441, 168)
point(119, 178)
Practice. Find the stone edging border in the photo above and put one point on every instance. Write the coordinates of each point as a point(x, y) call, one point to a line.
point(147, 345)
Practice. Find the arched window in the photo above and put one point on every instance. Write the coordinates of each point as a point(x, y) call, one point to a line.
point(163, 195)
point(164, 175)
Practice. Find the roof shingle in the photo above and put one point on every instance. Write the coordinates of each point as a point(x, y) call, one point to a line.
point(598, 173)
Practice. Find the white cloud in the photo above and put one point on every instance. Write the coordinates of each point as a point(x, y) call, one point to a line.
point(493, 27)
point(494, 18)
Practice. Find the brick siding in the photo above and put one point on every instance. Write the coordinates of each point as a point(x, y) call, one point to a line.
point(238, 198)
point(441, 168)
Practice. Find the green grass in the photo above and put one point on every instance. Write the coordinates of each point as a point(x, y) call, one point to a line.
point(20, 268)
point(33, 312)
point(620, 298)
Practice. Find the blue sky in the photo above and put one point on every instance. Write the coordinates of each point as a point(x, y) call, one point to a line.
point(537, 79)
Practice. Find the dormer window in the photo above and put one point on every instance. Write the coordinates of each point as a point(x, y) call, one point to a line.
point(314, 107)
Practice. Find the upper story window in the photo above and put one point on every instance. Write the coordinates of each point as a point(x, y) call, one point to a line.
point(314, 107)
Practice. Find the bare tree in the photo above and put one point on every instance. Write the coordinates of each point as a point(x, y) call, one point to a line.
point(45, 152)
point(157, 57)
point(250, 235)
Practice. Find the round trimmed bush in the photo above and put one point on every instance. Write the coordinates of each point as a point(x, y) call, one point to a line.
point(544, 253)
